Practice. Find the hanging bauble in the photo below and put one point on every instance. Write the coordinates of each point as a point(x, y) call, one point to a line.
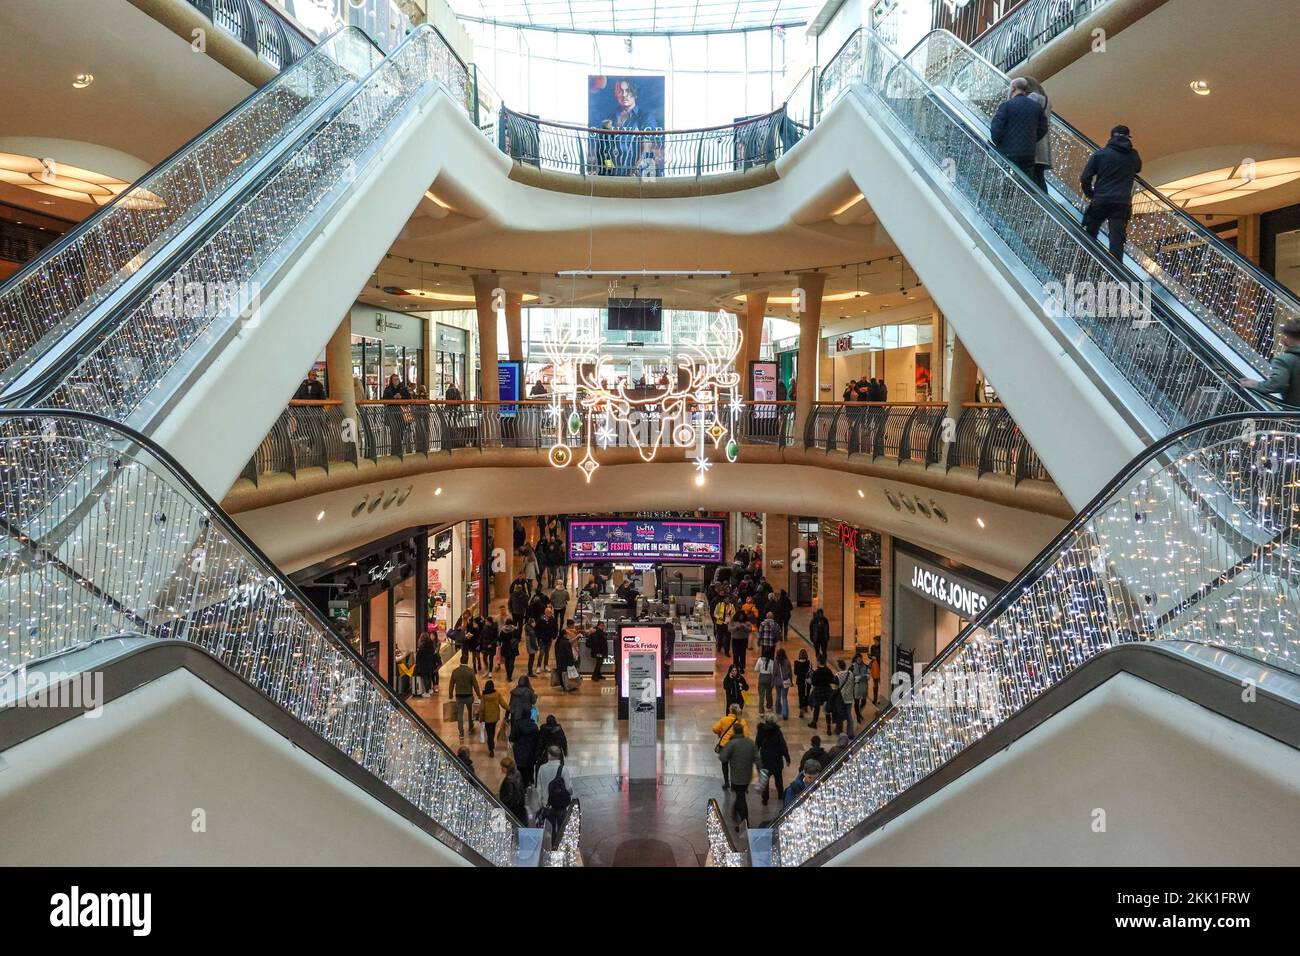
point(733, 450)
point(575, 423)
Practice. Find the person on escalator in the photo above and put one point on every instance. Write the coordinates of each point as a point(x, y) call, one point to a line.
point(1018, 125)
point(1107, 182)
point(1284, 376)
point(1043, 151)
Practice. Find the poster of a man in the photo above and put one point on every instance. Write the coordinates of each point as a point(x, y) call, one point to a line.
point(634, 104)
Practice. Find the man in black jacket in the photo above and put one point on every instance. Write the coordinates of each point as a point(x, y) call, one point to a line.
point(1018, 125)
point(311, 389)
point(1108, 184)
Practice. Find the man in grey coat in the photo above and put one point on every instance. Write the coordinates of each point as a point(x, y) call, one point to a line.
point(741, 757)
point(1284, 377)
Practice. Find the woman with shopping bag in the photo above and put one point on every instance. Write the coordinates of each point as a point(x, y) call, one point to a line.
point(490, 708)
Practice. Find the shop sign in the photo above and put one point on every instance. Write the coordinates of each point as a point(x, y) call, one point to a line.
point(946, 588)
point(450, 339)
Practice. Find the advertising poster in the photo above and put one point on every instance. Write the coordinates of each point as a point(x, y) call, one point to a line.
point(648, 640)
point(508, 379)
point(632, 103)
point(685, 542)
point(762, 387)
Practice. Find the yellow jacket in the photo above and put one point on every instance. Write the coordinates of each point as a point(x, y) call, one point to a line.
point(724, 729)
point(490, 708)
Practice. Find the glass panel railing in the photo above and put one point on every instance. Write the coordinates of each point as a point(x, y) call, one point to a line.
point(723, 852)
point(121, 368)
point(1178, 377)
point(1146, 561)
point(69, 279)
point(132, 545)
point(1242, 304)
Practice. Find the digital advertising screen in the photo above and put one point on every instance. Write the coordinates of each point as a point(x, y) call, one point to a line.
point(679, 541)
point(639, 668)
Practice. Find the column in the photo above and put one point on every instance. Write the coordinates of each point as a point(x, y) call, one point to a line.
point(488, 382)
point(810, 321)
point(515, 327)
point(830, 586)
point(1248, 236)
point(338, 369)
point(963, 377)
point(503, 537)
point(886, 615)
point(755, 311)
point(776, 547)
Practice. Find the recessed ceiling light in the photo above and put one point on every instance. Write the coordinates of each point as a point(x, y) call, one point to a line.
point(1200, 87)
point(860, 494)
point(320, 516)
point(980, 522)
point(437, 491)
point(83, 80)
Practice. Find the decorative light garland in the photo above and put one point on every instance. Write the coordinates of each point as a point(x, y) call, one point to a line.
point(703, 403)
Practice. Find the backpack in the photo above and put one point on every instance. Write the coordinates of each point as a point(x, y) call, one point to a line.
point(557, 792)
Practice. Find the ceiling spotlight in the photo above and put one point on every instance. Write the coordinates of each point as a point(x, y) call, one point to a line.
point(83, 80)
point(320, 516)
point(699, 480)
point(1200, 87)
point(860, 494)
point(437, 491)
point(980, 522)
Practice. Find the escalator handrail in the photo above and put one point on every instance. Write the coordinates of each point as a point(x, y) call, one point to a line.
point(193, 236)
point(230, 528)
point(1212, 362)
point(1255, 272)
point(78, 231)
point(1035, 568)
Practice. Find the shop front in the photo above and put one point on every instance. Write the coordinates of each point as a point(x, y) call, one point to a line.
point(384, 343)
point(373, 596)
point(934, 598)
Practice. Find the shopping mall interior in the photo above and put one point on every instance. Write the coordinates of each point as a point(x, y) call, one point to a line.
point(708, 434)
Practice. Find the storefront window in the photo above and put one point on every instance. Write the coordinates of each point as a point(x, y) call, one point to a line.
point(367, 367)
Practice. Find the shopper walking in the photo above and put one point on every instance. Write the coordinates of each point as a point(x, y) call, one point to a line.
point(509, 645)
point(511, 792)
point(844, 711)
point(822, 681)
point(426, 666)
point(547, 631)
point(522, 700)
point(463, 689)
point(784, 608)
point(723, 613)
point(553, 736)
point(724, 728)
point(861, 678)
point(1017, 126)
point(560, 601)
point(819, 634)
point(815, 752)
point(807, 774)
point(531, 643)
point(774, 756)
point(875, 676)
point(802, 681)
point(766, 668)
point(740, 758)
point(739, 639)
point(566, 662)
point(488, 637)
point(769, 635)
point(490, 713)
point(733, 687)
point(782, 677)
point(1107, 182)
point(524, 744)
point(598, 648)
point(1043, 148)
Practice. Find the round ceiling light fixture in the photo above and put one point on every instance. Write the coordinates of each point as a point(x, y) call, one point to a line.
point(82, 80)
point(1200, 87)
point(50, 177)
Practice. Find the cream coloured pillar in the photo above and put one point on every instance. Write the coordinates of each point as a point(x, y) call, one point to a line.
point(755, 311)
point(503, 537)
point(810, 322)
point(338, 369)
point(488, 380)
point(515, 327)
point(776, 547)
point(963, 376)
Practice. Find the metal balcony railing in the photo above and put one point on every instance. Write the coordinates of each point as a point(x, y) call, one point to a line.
point(261, 27)
point(983, 437)
point(1030, 27)
point(312, 433)
point(646, 154)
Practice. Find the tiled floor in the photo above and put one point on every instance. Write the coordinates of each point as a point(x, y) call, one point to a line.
point(635, 823)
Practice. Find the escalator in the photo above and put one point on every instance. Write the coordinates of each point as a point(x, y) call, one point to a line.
point(281, 241)
point(66, 293)
point(1222, 660)
point(1001, 259)
point(148, 585)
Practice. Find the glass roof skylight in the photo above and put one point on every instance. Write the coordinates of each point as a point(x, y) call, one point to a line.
point(640, 16)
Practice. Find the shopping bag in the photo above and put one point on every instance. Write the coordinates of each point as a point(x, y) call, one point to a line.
point(571, 672)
